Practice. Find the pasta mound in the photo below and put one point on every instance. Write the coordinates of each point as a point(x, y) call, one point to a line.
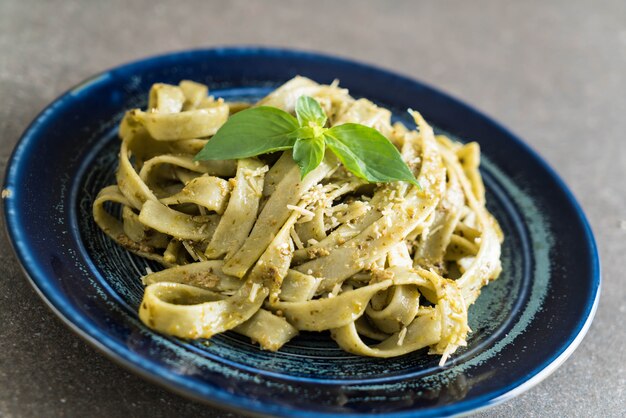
point(249, 246)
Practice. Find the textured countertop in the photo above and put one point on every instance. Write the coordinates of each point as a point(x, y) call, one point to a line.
point(554, 72)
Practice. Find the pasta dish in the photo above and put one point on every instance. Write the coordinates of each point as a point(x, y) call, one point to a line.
point(252, 245)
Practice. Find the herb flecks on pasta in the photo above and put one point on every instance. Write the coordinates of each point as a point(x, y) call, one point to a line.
point(295, 236)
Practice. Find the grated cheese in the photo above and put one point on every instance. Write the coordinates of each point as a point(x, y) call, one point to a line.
point(436, 229)
point(296, 239)
point(203, 228)
point(249, 175)
point(335, 291)
point(302, 211)
point(254, 291)
point(401, 336)
point(387, 212)
point(191, 250)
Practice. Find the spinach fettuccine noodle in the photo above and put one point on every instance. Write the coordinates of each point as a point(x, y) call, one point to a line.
point(254, 246)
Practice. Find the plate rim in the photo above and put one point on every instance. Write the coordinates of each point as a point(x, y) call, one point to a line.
point(142, 367)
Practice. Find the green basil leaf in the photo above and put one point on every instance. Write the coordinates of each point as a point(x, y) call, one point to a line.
point(309, 110)
point(367, 153)
point(251, 132)
point(304, 132)
point(308, 154)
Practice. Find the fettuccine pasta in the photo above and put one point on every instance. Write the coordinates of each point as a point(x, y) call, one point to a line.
point(250, 246)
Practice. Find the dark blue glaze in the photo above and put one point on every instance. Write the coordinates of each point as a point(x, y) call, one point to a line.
point(525, 324)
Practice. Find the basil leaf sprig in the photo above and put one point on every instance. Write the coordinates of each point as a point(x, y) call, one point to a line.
point(259, 130)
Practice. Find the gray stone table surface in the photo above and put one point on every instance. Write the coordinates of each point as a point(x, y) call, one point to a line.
point(552, 71)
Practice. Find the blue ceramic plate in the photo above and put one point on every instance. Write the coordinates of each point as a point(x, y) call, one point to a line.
point(525, 324)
